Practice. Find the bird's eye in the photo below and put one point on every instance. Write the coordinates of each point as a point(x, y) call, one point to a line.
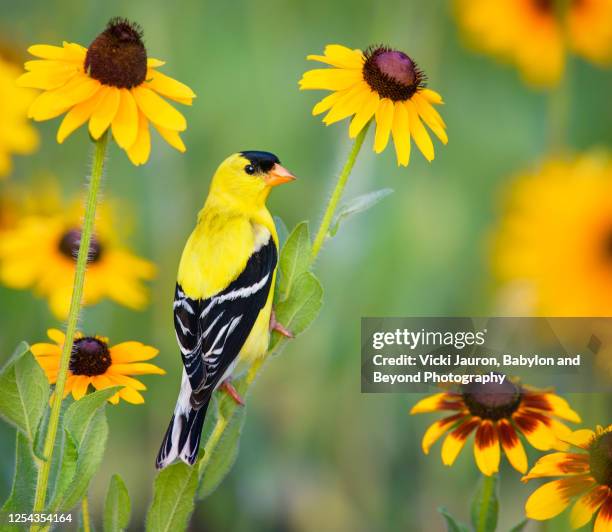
point(249, 169)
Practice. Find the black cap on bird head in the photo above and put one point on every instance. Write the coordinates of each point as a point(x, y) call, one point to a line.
point(262, 161)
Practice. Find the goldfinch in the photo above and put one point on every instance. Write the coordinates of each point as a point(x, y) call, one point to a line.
point(223, 297)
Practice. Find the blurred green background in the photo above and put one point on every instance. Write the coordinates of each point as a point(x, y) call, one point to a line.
point(316, 454)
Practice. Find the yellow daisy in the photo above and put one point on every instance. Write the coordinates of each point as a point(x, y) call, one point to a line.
point(93, 361)
point(110, 84)
point(16, 133)
point(498, 413)
point(381, 84)
point(555, 237)
point(40, 251)
point(534, 36)
point(586, 477)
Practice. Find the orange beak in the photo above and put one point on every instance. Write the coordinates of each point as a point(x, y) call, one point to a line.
point(278, 175)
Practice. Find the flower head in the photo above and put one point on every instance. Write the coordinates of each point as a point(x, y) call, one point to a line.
point(112, 84)
point(93, 361)
point(381, 84)
point(554, 239)
point(39, 252)
point(535, 36)
point(16, 134)
point(498, 413)
point(586, 477)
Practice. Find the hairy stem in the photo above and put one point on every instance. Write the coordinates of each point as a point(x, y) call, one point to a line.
point(332, 205)
point(73, 317)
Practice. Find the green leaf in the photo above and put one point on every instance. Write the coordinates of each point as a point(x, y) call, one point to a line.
point(21, 498)
point(117, 506)
point(301, 308)
point(24, 391)
point(281, 230)
point(173, 498)
point(356, 205)
point(520, 527)
point(451, 524)
point(224, 455)
point(485, 505)
point(294, 259)
point(86, 431)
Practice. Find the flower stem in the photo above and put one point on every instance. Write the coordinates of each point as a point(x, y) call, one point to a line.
point(85, 514)
point(337, 194)
point(73, 316)
point(488, 493)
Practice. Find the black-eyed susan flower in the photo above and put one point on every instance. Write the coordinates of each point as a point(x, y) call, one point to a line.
point(94, 362)
point(498, 413)
point(586, 478)
point(111, 84)
point(17, 136)
point(535, 35)
point(39, 252)
point(381, 84)
point(554, 238)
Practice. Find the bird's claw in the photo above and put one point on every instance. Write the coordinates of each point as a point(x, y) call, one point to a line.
point(228, 387)
point(279, 327)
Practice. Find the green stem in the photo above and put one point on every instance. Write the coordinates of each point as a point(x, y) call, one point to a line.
point(337, 194)
point(488, 490)
point(85, 514)
point(73, 316)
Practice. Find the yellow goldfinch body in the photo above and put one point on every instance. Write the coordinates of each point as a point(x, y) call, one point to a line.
point(223, 296)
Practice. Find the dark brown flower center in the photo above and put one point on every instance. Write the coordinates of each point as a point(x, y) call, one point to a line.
point(117, 56)
point(70, 242)
point(600, 459)
point(391, 73)
point(90, 356)
point(492, 400)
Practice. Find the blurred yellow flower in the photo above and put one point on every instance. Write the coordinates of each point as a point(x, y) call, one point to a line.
point(587, 477)
point(532, 35)
point(555, 237)
point(39, 252)
point(110, 84)
point(498, 413)
point(16, 134)
point(93, 361)
point(381, 84)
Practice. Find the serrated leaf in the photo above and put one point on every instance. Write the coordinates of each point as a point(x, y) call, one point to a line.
point(301, 308)
point(520, 527)
point(24, 391)
point(86, 431)
point(452, 525)
point(356, 205)
point(281, 230)
point(294, 258)
point(117, 506)
point(485, 505)
point(224, 456)
point(21, 498)
point(173, 498)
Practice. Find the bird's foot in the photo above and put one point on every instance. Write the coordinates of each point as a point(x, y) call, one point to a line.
point(228, 387)
point(279, 327)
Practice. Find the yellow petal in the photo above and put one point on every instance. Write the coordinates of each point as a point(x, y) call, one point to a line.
point(339, 56)
point(553, 497)
point(77, 116)
point(125, 123)
point(334, 79)
point(101, 381)
point(154, 63)
point(171, 137)
point(429, 404)
point(561, 408)
point(168, 86)
point(401, 134)
point(454, 442)
point(431, 96)
point(486, 448)
point(42, 349)
point(384, 121)
point(348, 104)
point(558, 464)
point(124, 380)
point(56, 335)
point(105, 112)
point(437, 429)
point(158, 110)
point(131, 396)
point(537, 433)
point(587, 505)
point(137, 368)
point(79, 388)
point(430, 116)
point(45, 80)
point(418, 132)
point(327, 102)
point(580, 438)
point(132, 352)
point(46, 106)
point(47, 51)
point(140, 150)
point(512, 446)
point(603, 523)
